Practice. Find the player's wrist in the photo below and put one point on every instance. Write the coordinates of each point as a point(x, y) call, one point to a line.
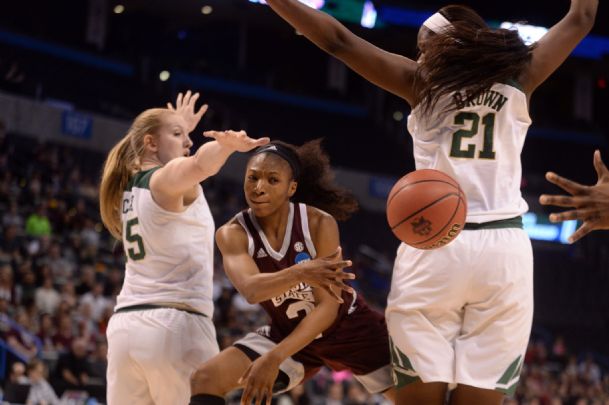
point(295, 273)
point(276, 356)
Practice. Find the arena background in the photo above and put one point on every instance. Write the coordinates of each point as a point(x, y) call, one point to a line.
point(74, 73)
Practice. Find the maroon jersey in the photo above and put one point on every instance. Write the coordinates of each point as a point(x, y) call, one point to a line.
point(289, 308)
point(357, 340)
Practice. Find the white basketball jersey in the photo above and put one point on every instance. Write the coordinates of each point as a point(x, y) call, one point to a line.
point(479, 145)
point(169, 254)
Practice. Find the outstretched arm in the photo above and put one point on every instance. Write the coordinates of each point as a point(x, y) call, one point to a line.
point(180, 175)
point(591, 203)
point(558, 43)
point(392, 72)
point(257, 287)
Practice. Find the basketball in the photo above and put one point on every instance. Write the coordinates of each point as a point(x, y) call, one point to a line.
point(426, 209)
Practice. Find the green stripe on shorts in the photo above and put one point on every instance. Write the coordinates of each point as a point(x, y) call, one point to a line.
point(509, 380)
point(402, 370)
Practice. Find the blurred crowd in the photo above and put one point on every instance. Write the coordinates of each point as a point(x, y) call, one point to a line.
point(60, 272)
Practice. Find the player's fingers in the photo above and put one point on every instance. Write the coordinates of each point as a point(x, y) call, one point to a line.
point(193, 99)
point(246, 397)
point(343, 275)
point(259, 395)
point(601, 168)
point(261, 141)
point(244, 376)
point(581, 214)
point(212, 134)
point(179, 100)
point(342, 286)
point(202, 111)
point(186, 100)
point(170, 107)
point(333, 294)
point(564, 183)
point(269, 395)
point(559, 200)
point(341, 264)
point(581, 232)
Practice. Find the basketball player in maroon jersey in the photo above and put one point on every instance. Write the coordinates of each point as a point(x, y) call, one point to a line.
point(268, 251)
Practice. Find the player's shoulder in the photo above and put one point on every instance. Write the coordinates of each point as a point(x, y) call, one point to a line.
point(319, 219)
point(231, 229)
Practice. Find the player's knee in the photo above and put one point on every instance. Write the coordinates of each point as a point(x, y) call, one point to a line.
point(202, 381)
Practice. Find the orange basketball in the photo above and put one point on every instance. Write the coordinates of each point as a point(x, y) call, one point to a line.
point(426, 209)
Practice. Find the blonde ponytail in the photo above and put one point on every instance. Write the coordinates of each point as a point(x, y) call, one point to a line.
point(122, 163)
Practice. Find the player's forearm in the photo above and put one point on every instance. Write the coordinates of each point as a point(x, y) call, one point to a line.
point(182, 174)
point(316, 322)
point(210, 158)
point(265, 286)
point(323, 30)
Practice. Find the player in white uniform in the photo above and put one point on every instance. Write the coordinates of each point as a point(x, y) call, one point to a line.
point(461, 314)
point(151, 198)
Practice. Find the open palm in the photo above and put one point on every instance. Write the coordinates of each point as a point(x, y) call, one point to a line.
point(185, 106)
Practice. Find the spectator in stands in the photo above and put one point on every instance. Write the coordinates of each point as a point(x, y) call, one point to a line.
point(61, 268)
point(590, 203)
point(65, 332)
point(68, 294)
point(86, 281)
point(95, 298)
point(99, 361)
point(37, 224)
point(7, 287)
point(46, 331)
point(12, 242)
point(47, 298)
point(5, 320)
point(20, 338)
point(12, 217)
point(589, 371)
point(17, 373)
point(26, 289)
point(72, 371)
point(41, 392)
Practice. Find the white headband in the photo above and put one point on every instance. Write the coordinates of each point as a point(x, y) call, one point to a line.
point(437, 23)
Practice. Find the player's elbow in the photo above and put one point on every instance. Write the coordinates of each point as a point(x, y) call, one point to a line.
point(250, 294)
point(337, 43)
point(584, 19)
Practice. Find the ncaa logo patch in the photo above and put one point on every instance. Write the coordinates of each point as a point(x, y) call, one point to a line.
point(302, 257)
point(298, 246)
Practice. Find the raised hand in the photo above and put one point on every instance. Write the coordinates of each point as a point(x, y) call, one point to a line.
point(591, 203)
point(326, 272)
point(236, 140)
point(185, 106)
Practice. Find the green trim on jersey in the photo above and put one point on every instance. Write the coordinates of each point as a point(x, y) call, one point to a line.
point(141, 179)
point(513, 83)
point(515, 222)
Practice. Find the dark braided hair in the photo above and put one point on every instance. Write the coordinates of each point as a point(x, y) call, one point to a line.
point(468, 57)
